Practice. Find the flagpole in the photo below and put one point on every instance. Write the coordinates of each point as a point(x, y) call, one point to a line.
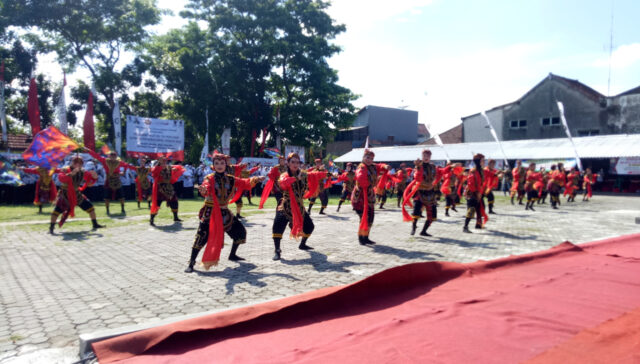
point(566, 130)
point(62, 107)
point(2, 113)
point(205, 147)
point(436, 137)
point(495, 136)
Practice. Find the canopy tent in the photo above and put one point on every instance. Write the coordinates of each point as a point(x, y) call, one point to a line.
point(601, 146)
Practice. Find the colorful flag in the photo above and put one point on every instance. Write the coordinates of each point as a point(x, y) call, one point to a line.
point(49, 147)
point(62, 107)
point(105, 150)
point(2, 115)
point(89, 134)
point(117, 127)
point(272, 152)
point(32, 107)
point(565, 125)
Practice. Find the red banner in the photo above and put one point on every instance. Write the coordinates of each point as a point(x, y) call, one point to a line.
point(32, 107)
point(89, 134)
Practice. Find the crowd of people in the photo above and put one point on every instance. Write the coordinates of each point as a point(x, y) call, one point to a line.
point(418, 189)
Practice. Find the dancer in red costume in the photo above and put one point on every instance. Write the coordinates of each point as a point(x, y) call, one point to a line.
point(589, 180)
point(573, 184)
point(517, 185)
point(164, 176)
point(474, 193)
point(448, 188)
point(45, 188)
point(532, 186)
point(363, 198)
point(296, 185)
point(74, 180)
point(557, 180)
point(491, 178)
point(348, 179)
point(272, 185)
point(143, 185)
point(218, 189)
point(112, 184)
point(321, 192)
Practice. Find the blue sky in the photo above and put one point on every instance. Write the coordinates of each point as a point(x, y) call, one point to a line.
point(452, 58)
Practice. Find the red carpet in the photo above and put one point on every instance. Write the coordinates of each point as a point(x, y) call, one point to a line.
point(567, 304)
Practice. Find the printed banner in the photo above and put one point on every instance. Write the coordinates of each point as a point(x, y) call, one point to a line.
point(155, 138)
point(627, 165)
point(295, 149)
point(117, 128)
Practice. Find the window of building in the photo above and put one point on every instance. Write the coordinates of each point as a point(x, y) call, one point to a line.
point(390, 138)
point(592, 132)
point(522, 124)
point(514, 124)
point(551, 121)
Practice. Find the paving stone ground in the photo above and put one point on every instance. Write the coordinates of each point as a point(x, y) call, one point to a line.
point(79, 281)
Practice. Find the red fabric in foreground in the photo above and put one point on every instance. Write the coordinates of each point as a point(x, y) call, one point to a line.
point(506, 310)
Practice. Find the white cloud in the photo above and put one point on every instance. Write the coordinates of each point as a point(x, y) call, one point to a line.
point(361, 14)
point(622, 57)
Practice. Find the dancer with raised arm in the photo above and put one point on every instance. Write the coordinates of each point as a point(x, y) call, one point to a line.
point(363, 199)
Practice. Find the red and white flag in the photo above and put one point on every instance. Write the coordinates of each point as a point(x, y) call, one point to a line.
point(32, 107)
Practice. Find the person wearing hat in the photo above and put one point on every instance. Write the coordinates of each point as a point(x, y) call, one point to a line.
point(164, 176)
point(74, 181)
point(556, 182)
point(474, 193)
point(422, 191)
point(448, 187)
point(363, 198)
point(143, 185)
point(348, 179)
point(239, 171)
point(532, 185)
point(112, 184)
point(218, 189)
point(321, 193)
point(296, 185)
point(573, 184)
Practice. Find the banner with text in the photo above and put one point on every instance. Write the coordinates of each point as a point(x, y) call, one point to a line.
point(155, 137)
point(627, 165)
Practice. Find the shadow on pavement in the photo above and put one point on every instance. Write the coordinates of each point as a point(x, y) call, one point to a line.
point(462, 243)
point(402, 253)
point(243, 274)
point(79, 235)
point(512, 236)
point(320, 263)
point(173, 228)
point(334, 217)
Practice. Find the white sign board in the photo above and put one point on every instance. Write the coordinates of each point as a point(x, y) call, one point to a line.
point(627, 165)
point(155, 138)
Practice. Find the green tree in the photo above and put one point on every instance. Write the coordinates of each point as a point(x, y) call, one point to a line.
point(252, 56)
point(92, 34)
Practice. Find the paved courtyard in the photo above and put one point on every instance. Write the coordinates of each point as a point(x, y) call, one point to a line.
point(79, 281)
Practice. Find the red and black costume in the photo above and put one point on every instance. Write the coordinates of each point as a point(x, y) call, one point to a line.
point(73, 183)
point(143, 185)
point(163, 179)
point(491, 180)
point(272, 185)
point(422, 190)
point(400, 180)
point(321, 192)
point(239, 171)
point(517, 185)
point(382, 185)
point(532, 187)
point(112, 183)
point(557, 180)
point(474, 193)
point(348, 179)
point(45, 188)
point(573, 184)
point(587, 184)
point(290, 211)
point(216, 218)
point(448, 188)
point(363, 198)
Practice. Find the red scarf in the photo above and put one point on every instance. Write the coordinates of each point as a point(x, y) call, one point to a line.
point(215, 241)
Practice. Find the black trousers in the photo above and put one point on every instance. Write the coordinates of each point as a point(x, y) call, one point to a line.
point(324, 199)
point(236, 231)
point(281, 221)
point(372, 214)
